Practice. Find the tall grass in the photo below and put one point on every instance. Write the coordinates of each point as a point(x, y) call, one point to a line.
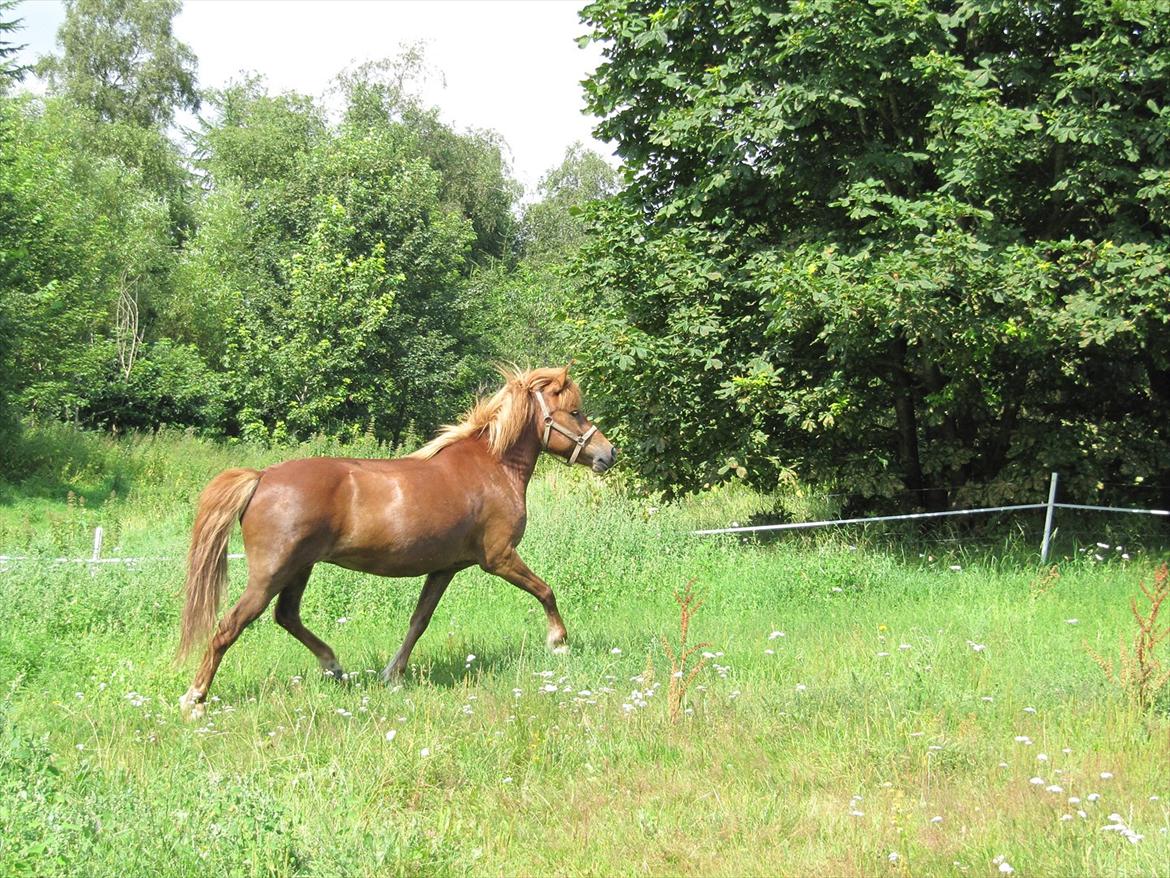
point(850, 696)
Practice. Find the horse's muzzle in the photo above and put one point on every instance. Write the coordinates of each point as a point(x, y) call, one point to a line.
point(602, 462)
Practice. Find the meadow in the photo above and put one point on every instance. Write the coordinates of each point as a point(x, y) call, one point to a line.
point(860, 710)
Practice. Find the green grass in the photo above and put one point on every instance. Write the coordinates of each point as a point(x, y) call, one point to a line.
point(98, 775)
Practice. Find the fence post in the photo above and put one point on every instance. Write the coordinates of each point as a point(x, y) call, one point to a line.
point(1047, 543)
point(98, 533)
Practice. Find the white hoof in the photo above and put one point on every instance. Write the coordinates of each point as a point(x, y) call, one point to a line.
point(391, 675)
point(191, 707)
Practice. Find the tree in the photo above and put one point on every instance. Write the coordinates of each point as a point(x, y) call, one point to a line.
point(475, 176)
point(524, 301)
point(331, 270)
point(121, 59)
point(10, 71)
point(88, 239)
point(10, 254)
point(552, 225)
point(886, 246)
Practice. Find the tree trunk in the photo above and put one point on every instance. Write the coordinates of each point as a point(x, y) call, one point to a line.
point(906, 418)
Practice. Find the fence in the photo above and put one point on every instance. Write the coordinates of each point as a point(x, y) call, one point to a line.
point(1049, 519)
point(96, 557)
point(1049, 523)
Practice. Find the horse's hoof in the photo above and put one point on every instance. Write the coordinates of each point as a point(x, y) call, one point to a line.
point(334, 671)
point(561, 648)
point(392, 676)
point(190, 707)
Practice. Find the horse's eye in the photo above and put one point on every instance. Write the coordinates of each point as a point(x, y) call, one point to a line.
point(575, 413)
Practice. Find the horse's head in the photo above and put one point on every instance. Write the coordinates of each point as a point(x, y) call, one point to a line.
point(563, 427)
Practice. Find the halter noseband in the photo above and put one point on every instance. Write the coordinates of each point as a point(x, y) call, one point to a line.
point(581, 439)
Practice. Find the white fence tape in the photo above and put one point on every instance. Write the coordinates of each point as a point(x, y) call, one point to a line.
point(1051, 506)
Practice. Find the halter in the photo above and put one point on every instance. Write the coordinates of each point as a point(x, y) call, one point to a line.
point(581, 439)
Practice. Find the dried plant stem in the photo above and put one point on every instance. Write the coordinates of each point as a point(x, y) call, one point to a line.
point(1140, 673)
point(680, 676)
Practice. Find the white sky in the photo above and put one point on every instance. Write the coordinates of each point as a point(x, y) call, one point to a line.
point(509, 65)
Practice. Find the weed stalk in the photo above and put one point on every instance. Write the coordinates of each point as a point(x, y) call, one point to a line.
point(1140, 673)
point(681, 676)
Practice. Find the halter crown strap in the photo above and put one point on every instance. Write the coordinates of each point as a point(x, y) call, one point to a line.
point(581, 439)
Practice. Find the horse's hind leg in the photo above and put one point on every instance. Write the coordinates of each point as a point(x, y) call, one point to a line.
point(432, 590)
point(250, 605)
point(288, 617)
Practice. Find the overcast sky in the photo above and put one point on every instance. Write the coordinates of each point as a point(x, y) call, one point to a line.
point(509, 65)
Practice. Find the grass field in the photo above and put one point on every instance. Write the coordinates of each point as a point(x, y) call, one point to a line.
point(860, 711)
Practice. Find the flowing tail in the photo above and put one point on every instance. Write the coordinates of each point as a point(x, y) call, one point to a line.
point(221, 503)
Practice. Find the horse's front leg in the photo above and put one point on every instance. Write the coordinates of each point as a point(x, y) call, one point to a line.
point(509, 566)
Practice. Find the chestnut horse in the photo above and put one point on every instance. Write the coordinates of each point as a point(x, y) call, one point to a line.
point(457, 501)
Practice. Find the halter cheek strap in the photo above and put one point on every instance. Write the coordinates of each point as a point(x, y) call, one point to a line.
point(581, 439)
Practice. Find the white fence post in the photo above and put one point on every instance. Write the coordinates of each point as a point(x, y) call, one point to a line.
point(1048, 516)
point(98, 534)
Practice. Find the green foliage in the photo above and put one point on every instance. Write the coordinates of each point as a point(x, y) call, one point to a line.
point(326, 273)
point(10, 71)
point(525, 301)
point(86, 233)
point(886, 246)
point(553, 227)
point(121, 60)
point(10, 253)
point(474, 176)
point(306, 355)
point(321, 278)
point(168, 385)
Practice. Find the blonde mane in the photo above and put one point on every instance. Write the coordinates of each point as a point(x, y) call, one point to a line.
point(505, 415)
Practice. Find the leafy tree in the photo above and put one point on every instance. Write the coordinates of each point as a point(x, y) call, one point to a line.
point(523, 301)
point(10, 71)
point(334, 272)
point(122, 67)
point(89, 242)
point(10, 254)
point(474, 175)
point(552, 225)
point(884, 245)
point(121, 59)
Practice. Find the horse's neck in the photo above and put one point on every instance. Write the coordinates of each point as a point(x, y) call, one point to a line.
point(519, 461)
